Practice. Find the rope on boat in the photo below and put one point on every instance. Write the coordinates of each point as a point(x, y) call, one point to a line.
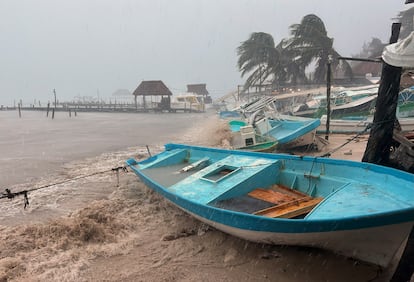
point(369, 126)
point(10, 195)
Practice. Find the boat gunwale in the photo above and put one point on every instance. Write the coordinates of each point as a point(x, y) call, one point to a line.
point(312, 159)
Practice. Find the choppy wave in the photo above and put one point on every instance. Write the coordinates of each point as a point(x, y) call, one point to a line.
point(67, 225)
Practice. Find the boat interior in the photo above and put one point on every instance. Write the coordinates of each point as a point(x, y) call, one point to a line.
point(259, 186)
point(279, 186)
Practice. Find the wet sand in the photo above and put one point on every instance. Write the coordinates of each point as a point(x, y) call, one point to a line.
point(93, 230)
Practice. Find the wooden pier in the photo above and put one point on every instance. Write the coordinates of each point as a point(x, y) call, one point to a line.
point(103, 107)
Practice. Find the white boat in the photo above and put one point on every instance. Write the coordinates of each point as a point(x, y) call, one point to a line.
point(352, 125)
point(188, 102)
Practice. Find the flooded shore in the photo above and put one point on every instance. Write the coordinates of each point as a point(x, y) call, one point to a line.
point(92, 229)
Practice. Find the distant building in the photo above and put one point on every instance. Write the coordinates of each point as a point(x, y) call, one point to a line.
point(121, 96)
point(200, 89)
point(156, 92)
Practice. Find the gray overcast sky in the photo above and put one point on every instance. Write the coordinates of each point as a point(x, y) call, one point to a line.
point(82, 47)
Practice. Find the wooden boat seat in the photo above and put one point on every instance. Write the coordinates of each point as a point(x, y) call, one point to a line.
point(289, 203)
point(271, 196)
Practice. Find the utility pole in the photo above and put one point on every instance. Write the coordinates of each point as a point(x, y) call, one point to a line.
point(380, 138)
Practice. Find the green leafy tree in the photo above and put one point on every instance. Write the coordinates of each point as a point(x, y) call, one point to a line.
point(309, 43)
point(258, 57)
point(286, 63)
point(290, 70)
point(372, 49)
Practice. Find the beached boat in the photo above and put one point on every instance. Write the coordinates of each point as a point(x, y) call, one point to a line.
point(346, 104)
point(245, 137)
point(343, 101)
point(357, 124)
point(289, 131)
point(188, 101)
point(360, 105)
point(229, 114)
point(359, 210)
point(262, 145)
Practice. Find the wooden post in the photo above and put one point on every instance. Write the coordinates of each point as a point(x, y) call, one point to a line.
point(54, 93)
point(48, 108)
point(53, 113)
point(75, 113)
point(20, 112)
point(117, 178)
point(380, 138)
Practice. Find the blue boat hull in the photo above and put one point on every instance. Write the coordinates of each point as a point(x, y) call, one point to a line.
point(374, 232)
point(289, 131)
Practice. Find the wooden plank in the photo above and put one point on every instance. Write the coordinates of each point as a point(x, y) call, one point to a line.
point(291, 209)
point(285, 189)
point(271, 196)
point(282, 206)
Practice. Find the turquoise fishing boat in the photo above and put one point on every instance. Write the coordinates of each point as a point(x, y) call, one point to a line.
point(289, 131)
point(235, 125)
point(245, 137)
point(359, 210)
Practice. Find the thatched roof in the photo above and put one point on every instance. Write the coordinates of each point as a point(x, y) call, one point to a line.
point(152, 88)
point(199, 89)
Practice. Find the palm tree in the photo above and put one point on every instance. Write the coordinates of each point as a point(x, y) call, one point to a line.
point(289, 69)
point(310, 43)
point(257, 57)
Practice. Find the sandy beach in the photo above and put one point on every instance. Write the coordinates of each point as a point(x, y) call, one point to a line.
point(92, 229)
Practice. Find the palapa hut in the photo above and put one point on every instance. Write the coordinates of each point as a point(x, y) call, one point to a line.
point(158, 93)
point(200, 89)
